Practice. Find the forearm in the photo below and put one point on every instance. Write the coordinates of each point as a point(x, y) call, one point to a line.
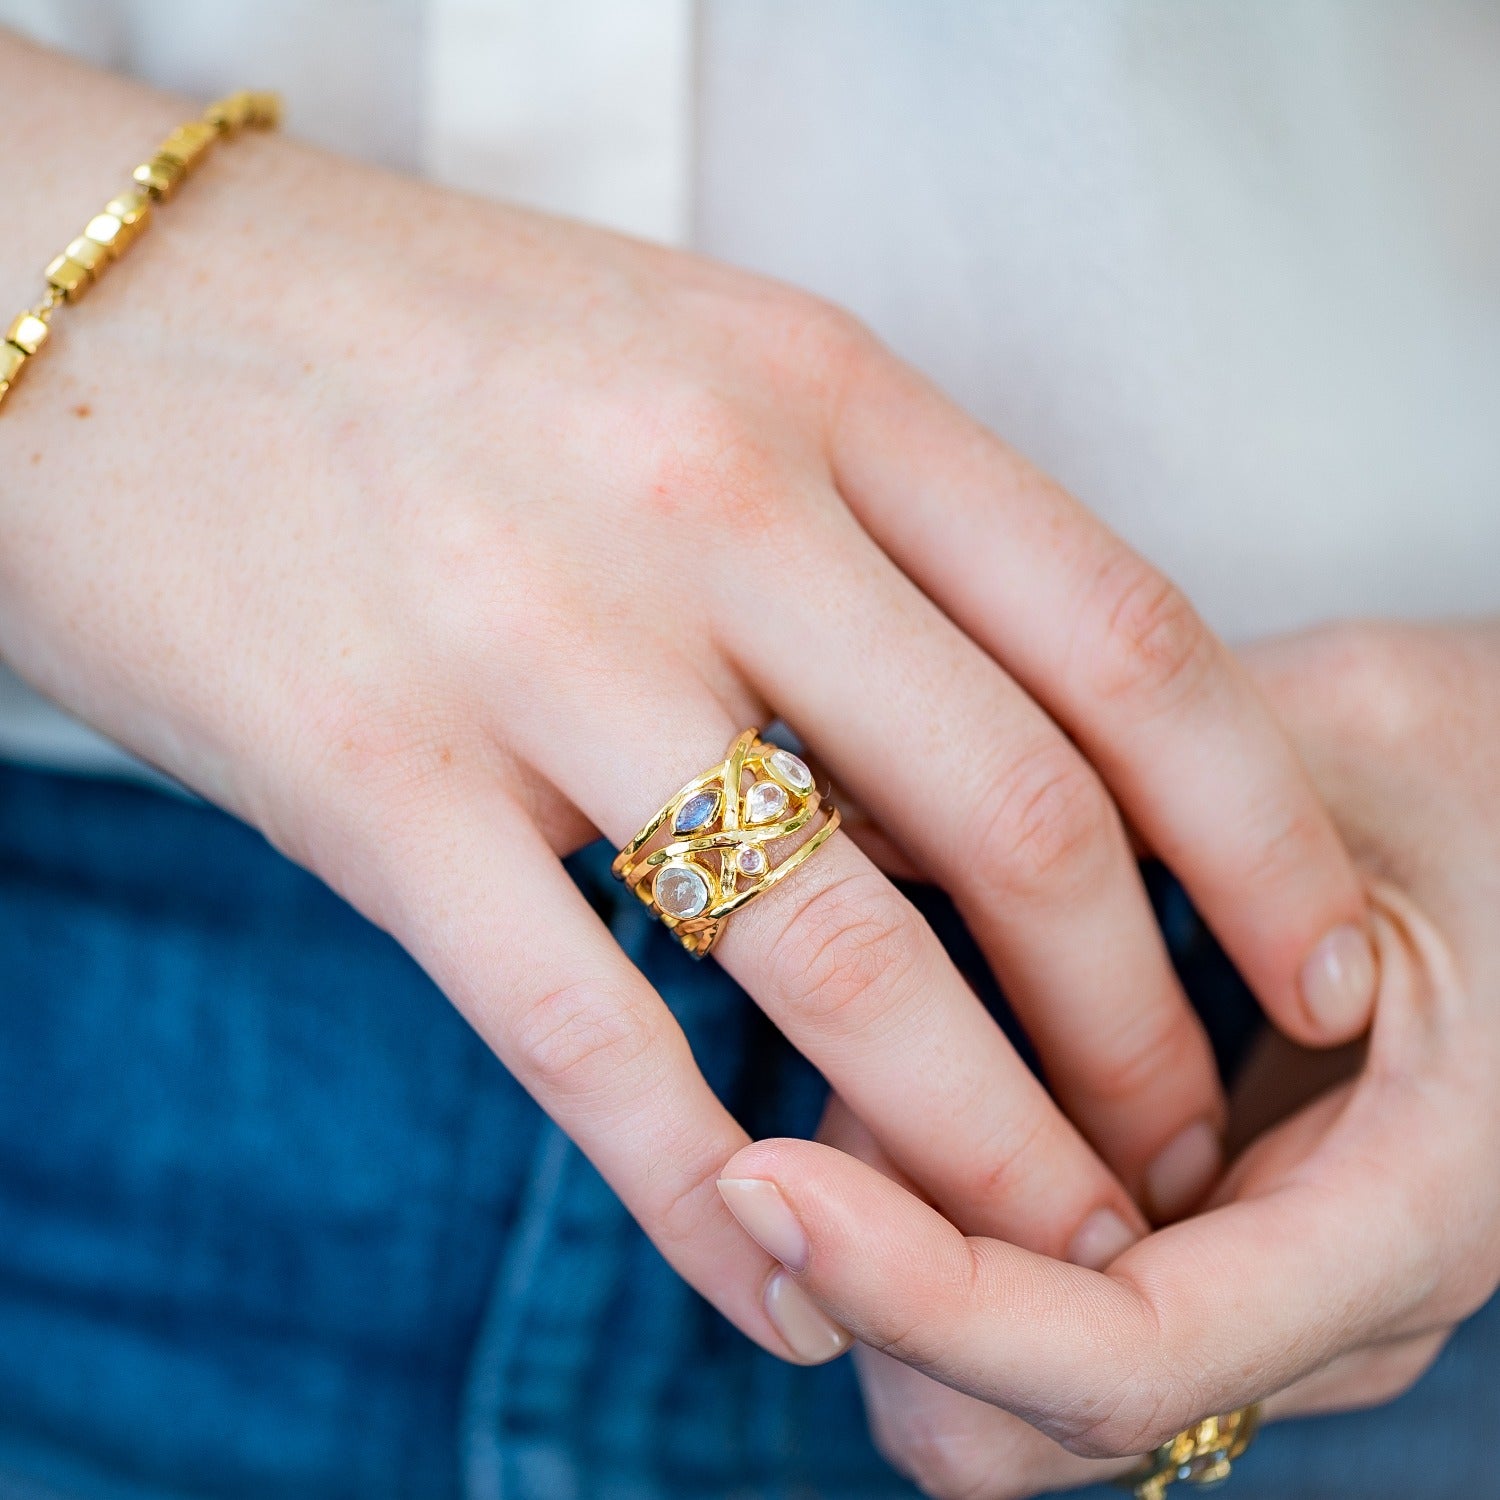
point(112, 436)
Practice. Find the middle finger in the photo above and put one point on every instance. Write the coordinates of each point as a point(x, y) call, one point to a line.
point(991, 798)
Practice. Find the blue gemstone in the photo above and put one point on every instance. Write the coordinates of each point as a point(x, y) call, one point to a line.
point(696, 812)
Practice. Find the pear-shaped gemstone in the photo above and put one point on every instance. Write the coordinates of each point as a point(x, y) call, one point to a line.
point(764, 802)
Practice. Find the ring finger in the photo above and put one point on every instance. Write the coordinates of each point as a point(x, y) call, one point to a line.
point(847, 968)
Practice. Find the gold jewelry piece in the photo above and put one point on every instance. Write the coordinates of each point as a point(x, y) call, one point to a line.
point(109, 234)
point(1200, 1455)
point(710, 846)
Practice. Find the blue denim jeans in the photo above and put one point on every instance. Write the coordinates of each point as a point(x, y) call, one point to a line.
point(273, 1222)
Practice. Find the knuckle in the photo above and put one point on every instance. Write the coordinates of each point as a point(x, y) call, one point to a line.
point(575, 1041)
point(1379, 689)
point(846, 957)
point(1006, 1163)
point(704, 457)
point(1285, 837)
point(1132, 1419)
point(1153, 647)
point(1130, 1062)
point(1047, 823)
point(819, 340)
point(682, 1211)
point(918, 1339)
point(1146, 1400)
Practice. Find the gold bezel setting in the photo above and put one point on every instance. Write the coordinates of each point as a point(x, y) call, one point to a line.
point(721, 828)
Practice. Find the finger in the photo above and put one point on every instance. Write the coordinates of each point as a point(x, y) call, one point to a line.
point(1367, 1377)
point(947, 1442)
point(850, 972)
point(979, 784)
point(1122, 661)
point(1205, 1316)
point(483, 904)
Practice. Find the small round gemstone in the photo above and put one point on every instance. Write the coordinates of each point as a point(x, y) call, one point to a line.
point(680, 890)
point(791, 769)
point(696, 812)
point(764, 802)
point(751, 860)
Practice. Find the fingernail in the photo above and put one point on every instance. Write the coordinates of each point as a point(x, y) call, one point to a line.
point(1338, 980)
point(764, 1215)
point(809, 1332)
point(1102, 1237)
point(1183, 1171)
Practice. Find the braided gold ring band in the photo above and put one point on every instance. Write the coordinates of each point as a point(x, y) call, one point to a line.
point(715, 846)
point(1199, 1455)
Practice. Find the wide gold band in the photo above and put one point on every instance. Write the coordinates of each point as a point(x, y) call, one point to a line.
point(1200, 1455)
point(712, 848)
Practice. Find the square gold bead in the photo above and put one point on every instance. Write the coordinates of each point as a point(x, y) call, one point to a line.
point(159, 176)
point(188, 142)
point(132, 208)
point(11, 360)
point(28, 332)
point(69, 277)
point(233, 113)
point(109, 232)
point(265, 109)
point(88, 253)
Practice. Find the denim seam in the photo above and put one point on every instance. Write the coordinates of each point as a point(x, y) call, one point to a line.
point(482, 1451)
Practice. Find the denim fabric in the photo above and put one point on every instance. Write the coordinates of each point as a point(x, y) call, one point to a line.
point(274, 1223)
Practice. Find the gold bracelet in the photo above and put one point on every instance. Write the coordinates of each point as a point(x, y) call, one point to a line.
point(107, 235)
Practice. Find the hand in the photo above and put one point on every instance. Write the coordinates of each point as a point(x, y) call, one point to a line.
point(1341, 1248)
point(431, 537)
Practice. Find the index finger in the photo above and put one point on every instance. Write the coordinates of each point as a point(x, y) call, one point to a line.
point(1121, 659)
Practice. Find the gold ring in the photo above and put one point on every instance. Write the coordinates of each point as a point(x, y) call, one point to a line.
point(1202, 1454)
point(710, 850)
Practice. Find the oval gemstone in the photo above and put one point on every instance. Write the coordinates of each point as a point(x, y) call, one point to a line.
point(697, 812)
point(751, 860)
point(680, 890)
point(764, 802)
point(791, 769)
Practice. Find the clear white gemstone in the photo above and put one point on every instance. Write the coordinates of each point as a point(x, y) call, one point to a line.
point(791, 769)
point(680, 890)
point(764, 802)
point(751, 860)
point(698, 810)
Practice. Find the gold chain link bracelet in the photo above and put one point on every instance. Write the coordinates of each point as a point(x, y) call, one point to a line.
point(109, 234)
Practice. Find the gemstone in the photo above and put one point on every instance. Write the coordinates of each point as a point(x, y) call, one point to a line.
point(680, 890)
point(751, 860)
point(764, 802)
point(698, 810)
point(791, 769)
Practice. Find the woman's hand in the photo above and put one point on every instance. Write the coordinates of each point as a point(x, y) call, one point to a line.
point(431, 537)
point(1343, 1246)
